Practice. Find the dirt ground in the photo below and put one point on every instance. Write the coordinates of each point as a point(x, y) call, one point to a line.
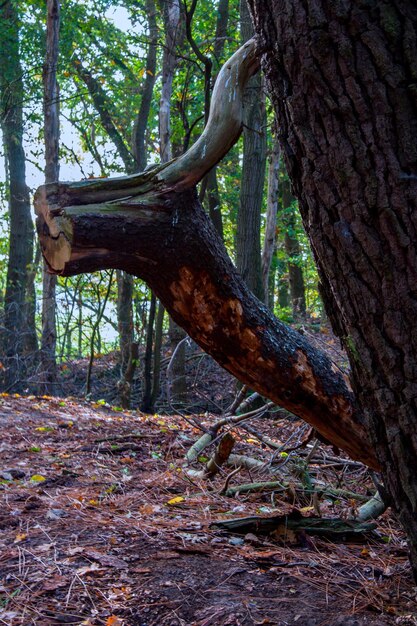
point(100, 525)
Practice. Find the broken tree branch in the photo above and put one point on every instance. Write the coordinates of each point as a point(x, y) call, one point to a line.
point(152, 226)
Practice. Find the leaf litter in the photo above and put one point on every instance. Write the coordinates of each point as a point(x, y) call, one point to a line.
point(102, 526)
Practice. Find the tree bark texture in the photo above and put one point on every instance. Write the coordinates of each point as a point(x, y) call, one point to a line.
point(343, 79)
point(21, 228)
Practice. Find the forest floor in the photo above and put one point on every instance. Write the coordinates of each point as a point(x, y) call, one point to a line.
point(101, 526)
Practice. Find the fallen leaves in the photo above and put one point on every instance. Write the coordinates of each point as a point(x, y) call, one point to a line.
point(37, 478)
point(176, 500)
point(113, 621)
point(92, 547)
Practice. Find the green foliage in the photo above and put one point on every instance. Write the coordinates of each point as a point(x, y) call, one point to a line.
point(114, 53)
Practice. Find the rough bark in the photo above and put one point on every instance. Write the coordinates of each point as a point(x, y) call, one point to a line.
point(343, 78)
point(21, 229)
point(51, 132)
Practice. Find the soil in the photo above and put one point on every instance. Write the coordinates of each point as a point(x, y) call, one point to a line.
point(102, 526)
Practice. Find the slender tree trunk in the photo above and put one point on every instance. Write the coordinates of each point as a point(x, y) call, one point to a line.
point(21, 229)
point(51, 131)
point(172, 24)
point(171, 14)
point(248, 235)
point(102, 106)
point(211, 190)
point(141, 123)
point(31, 344)
point(343, 81)
point(293, 252)
point(177, 376)
point(125, 327)
point(295, 271)
point(124, 315)
point(283, 286)
point(156, 378)
point(146, 405)
point(210, 183)
point(271, 218)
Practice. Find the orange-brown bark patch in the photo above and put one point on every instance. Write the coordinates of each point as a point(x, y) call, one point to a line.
point(305, 374)
point(197, 299)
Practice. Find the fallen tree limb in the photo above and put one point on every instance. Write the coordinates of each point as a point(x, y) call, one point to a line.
point(283, 486)
point(372, 509)
point(279, 525)
point(152, 225)
point(228, 420)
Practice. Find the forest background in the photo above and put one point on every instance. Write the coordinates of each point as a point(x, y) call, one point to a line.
point(134, 80)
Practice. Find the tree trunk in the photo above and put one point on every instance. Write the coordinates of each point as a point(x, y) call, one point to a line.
point(156, 375)
point(101, 104)
point(142, 119)
point(271, 218)
point(146, 404)
point(31, 344)
point(171, 14)
point(172, 22)
point(209, 184)
point(293, 251)
point(48, 373)
point(176, 375)
point(151, 225)
point(21, 229)
point(125, 328)
point(343, 79)
point(248, 235)
point(213, 200)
